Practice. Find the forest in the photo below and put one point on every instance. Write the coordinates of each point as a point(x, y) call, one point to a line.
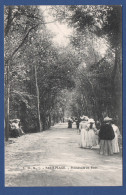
point(45, 82)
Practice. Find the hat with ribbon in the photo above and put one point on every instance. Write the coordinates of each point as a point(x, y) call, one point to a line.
point(85, 118)
point(106, 119)
point(91, 120)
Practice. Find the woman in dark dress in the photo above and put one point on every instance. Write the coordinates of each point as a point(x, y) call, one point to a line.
point(78, 122)
point(70, 123)
point(106, 135)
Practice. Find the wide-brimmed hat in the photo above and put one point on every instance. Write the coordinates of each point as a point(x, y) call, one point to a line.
point(91, 120)
point(106, 119)
point(84, 118)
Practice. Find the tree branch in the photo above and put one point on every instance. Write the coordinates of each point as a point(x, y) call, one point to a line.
point(9, 20)
point(23, 40)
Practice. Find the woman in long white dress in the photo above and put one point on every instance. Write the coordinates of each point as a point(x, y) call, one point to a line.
point(84, 132)
point(92, 137)
point(115, 144)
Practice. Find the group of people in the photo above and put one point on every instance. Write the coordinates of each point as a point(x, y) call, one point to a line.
point(105, 135)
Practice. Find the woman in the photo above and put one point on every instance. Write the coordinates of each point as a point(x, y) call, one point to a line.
point(106, 135)
point(84, 132)
point(98, 125)
point(115, 144)
point(77, 123)
point(92, 138)
point(70, 123)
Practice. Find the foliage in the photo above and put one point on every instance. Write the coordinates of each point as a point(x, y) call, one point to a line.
point(54, 69)
point(53, 82)
point(98, 82)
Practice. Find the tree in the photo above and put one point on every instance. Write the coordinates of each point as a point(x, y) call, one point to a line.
point(104, 22)
point(92, 23)
point(20, 21)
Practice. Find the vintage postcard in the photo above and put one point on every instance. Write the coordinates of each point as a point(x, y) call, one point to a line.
point(63, 95)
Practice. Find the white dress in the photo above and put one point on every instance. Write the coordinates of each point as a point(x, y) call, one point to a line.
point(84, 134)
point(92, 137)
point(115, 145)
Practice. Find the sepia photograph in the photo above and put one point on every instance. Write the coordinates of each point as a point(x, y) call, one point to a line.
point(63, 95)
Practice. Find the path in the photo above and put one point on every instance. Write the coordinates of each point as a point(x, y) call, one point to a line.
point(54, 158)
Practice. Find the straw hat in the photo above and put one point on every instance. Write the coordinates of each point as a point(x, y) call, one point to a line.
point(81, 118)
point(106, 119)
point(91, 120)
point(84, 118)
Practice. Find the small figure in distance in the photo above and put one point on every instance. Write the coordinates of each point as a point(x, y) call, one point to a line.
point(70, 121)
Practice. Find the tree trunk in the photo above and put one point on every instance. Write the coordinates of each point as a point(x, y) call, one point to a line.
point(6, 100)
point(115, 65)
point(113, 78)
point(86, 107)
point(38, 102)
point(9, 20)
point(49, 120)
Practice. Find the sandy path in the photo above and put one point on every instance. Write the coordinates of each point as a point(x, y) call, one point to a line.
point(54, 158)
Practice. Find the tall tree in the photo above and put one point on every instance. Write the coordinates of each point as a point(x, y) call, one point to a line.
point(20, 21)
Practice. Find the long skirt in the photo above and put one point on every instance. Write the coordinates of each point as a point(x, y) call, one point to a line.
point(92, 139)
point(70, 124)
point(115, 144)
point(84, 138)
point(106, 147)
